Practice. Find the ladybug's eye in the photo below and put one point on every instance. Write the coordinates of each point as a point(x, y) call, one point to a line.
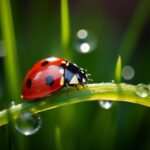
point(44, 63)
point(29, 83)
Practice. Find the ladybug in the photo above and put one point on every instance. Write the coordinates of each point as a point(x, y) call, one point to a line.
point(50, 75)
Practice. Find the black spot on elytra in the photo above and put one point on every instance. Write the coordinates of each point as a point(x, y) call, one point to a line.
point(49, 80)
point(29, 83)
point(44, 63)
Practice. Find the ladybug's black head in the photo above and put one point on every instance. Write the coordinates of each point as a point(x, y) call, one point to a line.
point(75, 75)
point(82, 77)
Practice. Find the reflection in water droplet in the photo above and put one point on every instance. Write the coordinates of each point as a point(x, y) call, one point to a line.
point(105, 104)
point(86, 41)
point(28, 123)
point(128, 72)
point(142, 90)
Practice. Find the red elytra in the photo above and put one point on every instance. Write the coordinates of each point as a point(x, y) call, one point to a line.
point(44, 78)
point(51, 74)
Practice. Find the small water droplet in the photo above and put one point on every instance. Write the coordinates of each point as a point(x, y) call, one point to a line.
point(28, 123)
point(112, 81)
point(86, 41)
point(128, 72)
point(105, 104)
point(13, 104)
point(142, 90)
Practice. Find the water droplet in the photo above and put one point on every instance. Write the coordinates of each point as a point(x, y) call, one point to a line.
point(128, 72)
point(112, 81)
point(105, 104)
point(142, 90)
point(86, 41)
point(28, 123)
point(13, 103)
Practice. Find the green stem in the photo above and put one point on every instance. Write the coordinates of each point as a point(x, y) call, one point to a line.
point(65, 29)
point(101, 91)
point(10, 61)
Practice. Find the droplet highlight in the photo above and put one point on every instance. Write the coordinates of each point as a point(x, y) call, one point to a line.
point(128, 72)
point(142, 90)
point(112, 81)
point(13, 104)
point(28, 123)
point(105, 104)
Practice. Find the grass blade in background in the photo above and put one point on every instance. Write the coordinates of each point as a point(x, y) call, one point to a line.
point(11, 68)
point(10, 61)
point(65, 29)
point(138, 21)
point(118, 70)
point(65, 114)
point(58, 138)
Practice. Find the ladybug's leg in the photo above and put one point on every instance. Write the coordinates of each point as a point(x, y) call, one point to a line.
point(65, 84)
point(66, 89)
point(84, 85)
point(76, 87)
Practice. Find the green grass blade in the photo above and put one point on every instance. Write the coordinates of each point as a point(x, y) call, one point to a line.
point(102, 91)
point(140, 17)
point(58, 138)
point(118, 70)
point(65, 29)
point(10, 61)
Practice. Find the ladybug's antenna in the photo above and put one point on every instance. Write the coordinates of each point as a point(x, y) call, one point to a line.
point(91, 80)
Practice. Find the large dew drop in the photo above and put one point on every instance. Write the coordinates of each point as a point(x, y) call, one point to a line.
point(142, 90)
point(28, 123)
point(105, 104)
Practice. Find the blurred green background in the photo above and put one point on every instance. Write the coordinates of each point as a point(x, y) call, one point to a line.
point(115, 27)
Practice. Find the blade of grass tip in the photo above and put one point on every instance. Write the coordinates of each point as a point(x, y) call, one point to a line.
point(118, 70)
point(65, 29)
point(58, 139)
point(138, 20)
point(10, 61)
